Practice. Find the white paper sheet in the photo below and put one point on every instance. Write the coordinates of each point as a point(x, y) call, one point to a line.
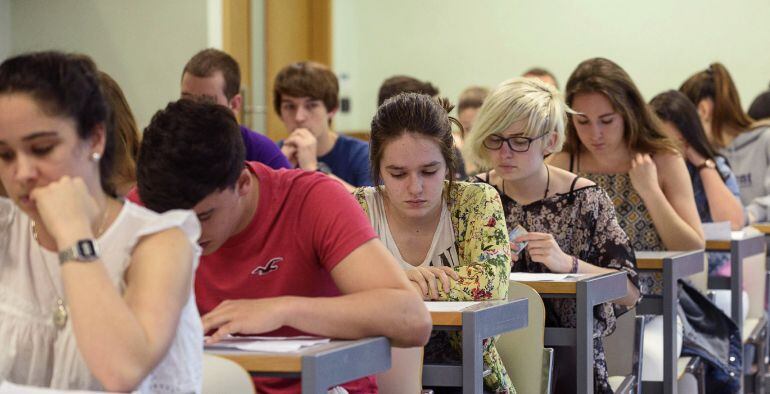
point(448, 306)
point(11, 388)
point(716, 231)
point(536, 276)
point(268, 344)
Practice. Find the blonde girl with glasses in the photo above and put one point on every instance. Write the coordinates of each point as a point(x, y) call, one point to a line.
point(570, 222)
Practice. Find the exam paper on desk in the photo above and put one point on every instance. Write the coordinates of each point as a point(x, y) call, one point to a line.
point(12, 388)
point(268, 344)
point(448, 306)
point(538, 276)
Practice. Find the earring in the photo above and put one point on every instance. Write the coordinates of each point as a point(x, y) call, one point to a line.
point(96, 156)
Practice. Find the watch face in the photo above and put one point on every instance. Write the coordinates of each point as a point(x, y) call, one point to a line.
point(86, 249)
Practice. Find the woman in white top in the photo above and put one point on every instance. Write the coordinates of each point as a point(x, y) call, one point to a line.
point(95, 293)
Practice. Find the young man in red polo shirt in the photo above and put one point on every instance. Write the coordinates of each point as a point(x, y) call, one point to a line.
point(286, 252)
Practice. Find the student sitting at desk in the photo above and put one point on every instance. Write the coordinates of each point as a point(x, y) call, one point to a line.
point(616, 140)
point(717, 196)
point(744, 142)
point(286, 252)
point(449, 236)
point(95, 292)
point(571, 222)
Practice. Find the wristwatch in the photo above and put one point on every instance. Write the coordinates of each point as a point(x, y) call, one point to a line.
point(708, 163)
point(84, 251)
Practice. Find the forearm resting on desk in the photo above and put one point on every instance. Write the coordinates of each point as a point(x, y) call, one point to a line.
point(395, 313)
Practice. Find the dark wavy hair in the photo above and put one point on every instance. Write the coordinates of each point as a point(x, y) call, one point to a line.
point(413, 113)
point(673, 106)
point(190, 150)
point(67, 85)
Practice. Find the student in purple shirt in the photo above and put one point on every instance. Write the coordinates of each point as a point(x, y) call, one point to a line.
point(214, 75)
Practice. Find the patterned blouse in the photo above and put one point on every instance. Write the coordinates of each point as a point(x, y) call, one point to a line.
point(634, 219)
point(482, 245)
point(583, 223)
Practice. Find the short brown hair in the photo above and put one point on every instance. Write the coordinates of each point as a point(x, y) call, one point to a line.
point(541, 72)
point(208, 61)
point(413, 113)
point(642, 128)
point(306, 79)
point(404, 84)
point(472, 97)
point(715, 83)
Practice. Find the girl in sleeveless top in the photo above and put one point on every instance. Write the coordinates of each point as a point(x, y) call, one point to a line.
point(615, 140)
point(95, 293)
point(449, 236)
point(570, 221)
point(717, 196)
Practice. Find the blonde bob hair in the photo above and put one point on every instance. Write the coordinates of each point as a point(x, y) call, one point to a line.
point(517, 99)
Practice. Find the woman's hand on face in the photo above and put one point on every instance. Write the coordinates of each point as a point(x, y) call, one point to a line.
point(427, 280)
point(643, 174)
point(67, 210)
point(543, 249)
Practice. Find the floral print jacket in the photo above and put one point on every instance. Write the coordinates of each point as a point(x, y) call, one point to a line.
point(481, 240)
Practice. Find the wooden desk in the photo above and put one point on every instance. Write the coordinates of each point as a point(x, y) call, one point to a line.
point(739, 247)
point(318, 367)
point(477, 322)
point(588, 290)
point(674, 266)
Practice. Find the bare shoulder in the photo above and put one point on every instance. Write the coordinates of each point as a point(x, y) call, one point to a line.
point(584, 182)
point(559, 160)
point(668, 160)
point(562, 180)
point(670, 165)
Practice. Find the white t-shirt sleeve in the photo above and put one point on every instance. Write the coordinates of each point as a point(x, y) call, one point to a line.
point(186, 220)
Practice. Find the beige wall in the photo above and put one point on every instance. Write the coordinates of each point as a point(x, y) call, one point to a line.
point(143, 44)
point(456, 43)
point(5, 29)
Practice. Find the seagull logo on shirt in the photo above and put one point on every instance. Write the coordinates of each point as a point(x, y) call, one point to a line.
point(271, 266)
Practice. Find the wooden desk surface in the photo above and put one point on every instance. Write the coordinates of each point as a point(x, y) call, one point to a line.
point(726, 244)
point(718, 244)
point(764, 228)
point(455, 318)
point(277, 362)
point(562, 286)
point(654, 260)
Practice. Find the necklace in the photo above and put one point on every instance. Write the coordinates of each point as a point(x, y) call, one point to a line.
point(60, 313)
point(547, 182)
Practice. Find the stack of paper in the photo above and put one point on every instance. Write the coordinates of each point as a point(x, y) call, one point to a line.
point(11, 388)
point(448, 306)
point(538, 277)
point(268, 344)
point(718, 231)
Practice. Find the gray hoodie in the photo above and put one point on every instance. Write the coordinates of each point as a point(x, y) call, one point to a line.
point(749, 157)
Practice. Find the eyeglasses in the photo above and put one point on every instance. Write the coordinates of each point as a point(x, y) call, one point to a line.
point(517, 144)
